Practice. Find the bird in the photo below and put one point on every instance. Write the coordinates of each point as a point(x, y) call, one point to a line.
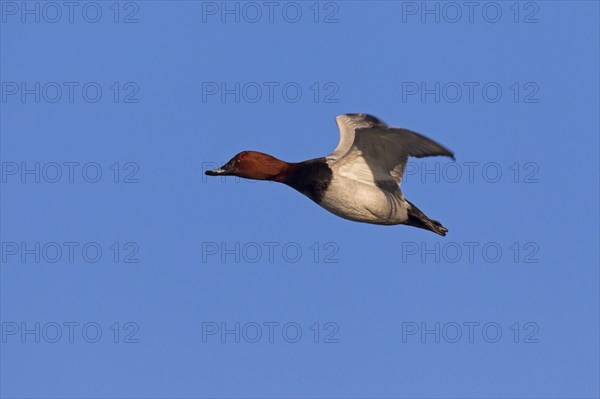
point(360, 180)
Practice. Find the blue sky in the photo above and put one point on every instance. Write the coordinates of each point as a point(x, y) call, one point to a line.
point(128, 273)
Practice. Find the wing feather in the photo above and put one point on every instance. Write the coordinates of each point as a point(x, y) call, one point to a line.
point(374, 153)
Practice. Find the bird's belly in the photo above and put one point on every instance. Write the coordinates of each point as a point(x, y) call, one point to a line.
point(365, 203)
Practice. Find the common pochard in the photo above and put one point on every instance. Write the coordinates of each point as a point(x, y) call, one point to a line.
point(359, 180)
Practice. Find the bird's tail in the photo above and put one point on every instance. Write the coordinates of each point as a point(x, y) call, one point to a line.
point(418, 219)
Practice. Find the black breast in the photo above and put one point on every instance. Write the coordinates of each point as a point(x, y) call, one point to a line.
point(311, 178)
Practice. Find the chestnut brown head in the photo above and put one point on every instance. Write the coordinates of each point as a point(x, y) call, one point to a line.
point(251, 165)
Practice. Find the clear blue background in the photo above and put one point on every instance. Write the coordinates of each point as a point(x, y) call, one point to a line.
point(171, 133)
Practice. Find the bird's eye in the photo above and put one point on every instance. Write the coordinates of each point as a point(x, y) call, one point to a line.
point(243, 155)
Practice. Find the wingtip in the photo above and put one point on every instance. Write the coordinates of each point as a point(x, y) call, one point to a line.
point(440, 230)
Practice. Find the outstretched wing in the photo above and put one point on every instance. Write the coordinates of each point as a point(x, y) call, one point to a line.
point(374, 153)
point(348, 124)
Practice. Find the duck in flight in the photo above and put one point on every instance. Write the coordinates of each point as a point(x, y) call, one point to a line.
point(359, 180)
